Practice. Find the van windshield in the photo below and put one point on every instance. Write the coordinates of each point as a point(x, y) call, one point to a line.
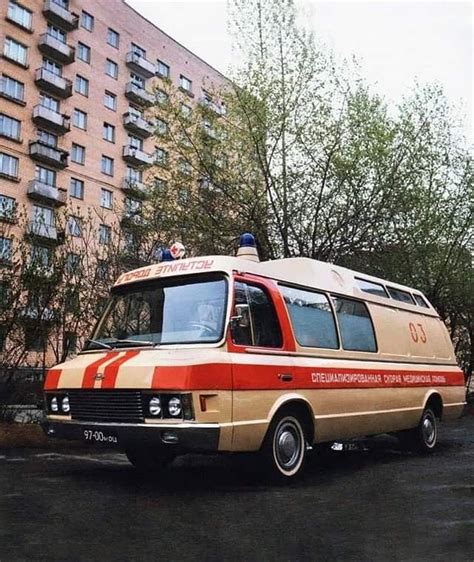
point(165, 311)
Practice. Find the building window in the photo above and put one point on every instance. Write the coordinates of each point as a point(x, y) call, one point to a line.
point(6, 246)
point(78, 154)
point(106, 198)
point(108, 132)
point(57, 33)
point(104, 234)
point(49, 102)
point(20, 15)
point(162, 69)
point(162, 97)
point(80, 119)
point(186, 111)
point(110, 100)
point(82, 85)
point(107, 165)
point(83, 52)
point(72, 262)
point(45, 175)
point(9, 127)
point(111, 69)
point(161, 127)
point(185, 167)
point(15, 51)
point(137, 81)
point(45, 137)
point(43, 215)
point(135, 142)
point(139, 51)
point(12, 89)
point(113, 38)
point(161, 156)
point(8, 165)
point(133, 207)
point(74, 226)
point(76, 188)
point(87, 21)
point(185, 83)
point(7, 207)
point(52, 66)
point(134, 175)
point(161, 185)
point(101, 270)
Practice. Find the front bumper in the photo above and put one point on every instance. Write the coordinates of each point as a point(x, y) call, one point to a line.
point(185, 436)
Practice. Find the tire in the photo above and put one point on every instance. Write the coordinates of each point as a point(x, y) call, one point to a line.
point(147, 460)
point(424, 437)
point(283, 452)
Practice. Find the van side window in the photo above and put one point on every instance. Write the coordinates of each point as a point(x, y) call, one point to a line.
point(311, 317)
point(259, 326)
point(355, 325)
point(420, 301)
point(372, 288)
point(399, 295)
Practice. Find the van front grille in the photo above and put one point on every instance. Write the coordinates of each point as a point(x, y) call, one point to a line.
point(106, 405)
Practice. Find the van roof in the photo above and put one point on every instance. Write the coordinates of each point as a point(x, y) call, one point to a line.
point(304, 272)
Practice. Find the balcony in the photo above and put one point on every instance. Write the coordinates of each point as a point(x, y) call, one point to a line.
point(139, 95)
point(52, 83)
point(133, 221)
point(50, 155)
point(140, 65)
point(46, 232)
point(44, 193)
point(136, 157)
point(52, 47)
point(49, 119)
point(133, 187)
point(58, 15)
point(137, 125)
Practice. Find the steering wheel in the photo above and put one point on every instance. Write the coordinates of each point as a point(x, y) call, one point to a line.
point(202, 326)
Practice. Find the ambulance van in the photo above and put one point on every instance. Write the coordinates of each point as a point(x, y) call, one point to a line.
point(229, 354)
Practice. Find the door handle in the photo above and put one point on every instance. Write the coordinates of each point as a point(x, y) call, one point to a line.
point(285, 377)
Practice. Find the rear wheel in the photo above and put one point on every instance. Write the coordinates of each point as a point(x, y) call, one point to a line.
point(284, 448)
point(148, 460)
point(424, 437)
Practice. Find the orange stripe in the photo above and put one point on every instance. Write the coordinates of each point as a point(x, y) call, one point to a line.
point(91, 370)
point(52, 379)
point(111, 371)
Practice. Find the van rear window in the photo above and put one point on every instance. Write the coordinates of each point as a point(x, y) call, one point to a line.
point(311, 317)
point(372, 288)
point(399, 295)
point(355, 325)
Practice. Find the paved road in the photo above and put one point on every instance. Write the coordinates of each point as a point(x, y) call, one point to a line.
point(371, 505)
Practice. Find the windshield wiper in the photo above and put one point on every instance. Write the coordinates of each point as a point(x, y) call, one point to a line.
point(135, 342)
point(100, 343)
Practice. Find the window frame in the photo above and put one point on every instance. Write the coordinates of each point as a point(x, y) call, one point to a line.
point(116, 35)
point(369, 316)
point(89, 18)
point(80, 46)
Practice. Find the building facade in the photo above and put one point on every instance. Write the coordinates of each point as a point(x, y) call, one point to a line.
point(76, 80)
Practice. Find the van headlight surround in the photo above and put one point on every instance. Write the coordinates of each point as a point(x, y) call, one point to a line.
point(164, 405)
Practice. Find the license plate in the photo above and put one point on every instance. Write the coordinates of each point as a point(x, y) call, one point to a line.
point(98, 436)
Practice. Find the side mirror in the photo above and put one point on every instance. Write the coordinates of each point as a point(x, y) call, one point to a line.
point(242, 318)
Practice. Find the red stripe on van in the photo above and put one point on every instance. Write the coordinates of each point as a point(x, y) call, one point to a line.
point(91, 370)
point(52, 379)
point(272, 377)
point(111, 371)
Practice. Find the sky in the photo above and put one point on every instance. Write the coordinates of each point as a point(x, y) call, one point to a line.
point(396, 42)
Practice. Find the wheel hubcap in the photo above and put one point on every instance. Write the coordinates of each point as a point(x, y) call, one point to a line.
point(288, 446)
point(429, 430)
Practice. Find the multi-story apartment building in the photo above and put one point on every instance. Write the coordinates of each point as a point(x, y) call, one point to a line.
point(76, 79)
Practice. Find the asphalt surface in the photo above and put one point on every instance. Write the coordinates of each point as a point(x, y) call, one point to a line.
point(377, 504)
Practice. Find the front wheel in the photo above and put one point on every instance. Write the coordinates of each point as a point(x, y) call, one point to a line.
point(424, 437)
point(284, 449)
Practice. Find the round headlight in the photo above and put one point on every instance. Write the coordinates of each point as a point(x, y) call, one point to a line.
point(54, 404)
point(65, 405)
point(174, 406)
point(154, 406)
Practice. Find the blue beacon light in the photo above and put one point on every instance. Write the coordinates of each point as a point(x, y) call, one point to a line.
point(166, 255)
point(248, 248)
